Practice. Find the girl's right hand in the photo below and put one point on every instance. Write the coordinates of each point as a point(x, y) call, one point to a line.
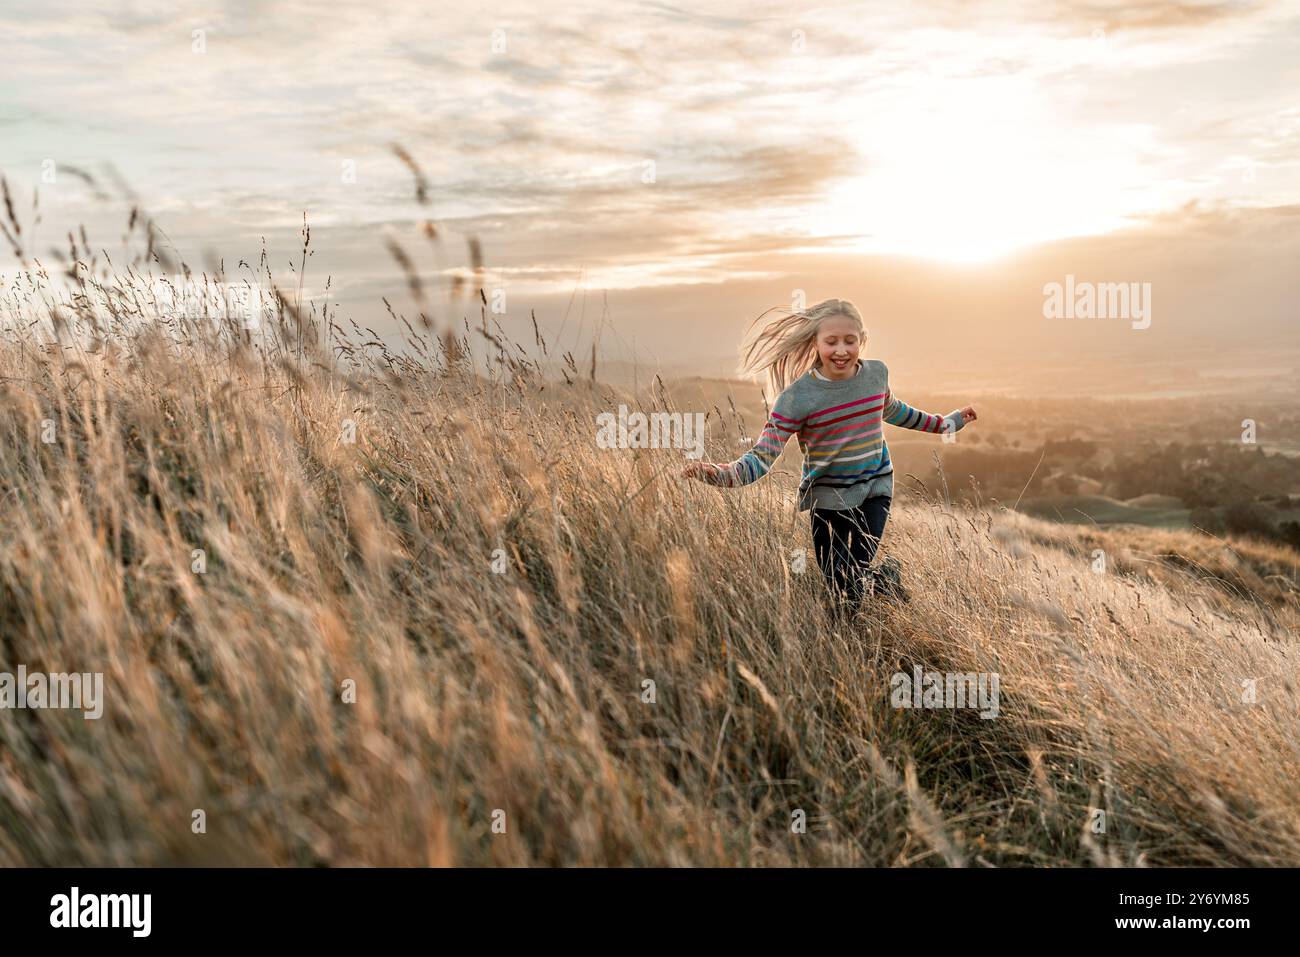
point(699, 470)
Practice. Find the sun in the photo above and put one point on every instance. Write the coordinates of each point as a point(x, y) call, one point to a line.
point(971, 170)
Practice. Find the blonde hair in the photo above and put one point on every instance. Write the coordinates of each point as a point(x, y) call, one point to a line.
point(786, 347)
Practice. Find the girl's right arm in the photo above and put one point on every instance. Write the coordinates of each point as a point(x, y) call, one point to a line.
point(754, 464)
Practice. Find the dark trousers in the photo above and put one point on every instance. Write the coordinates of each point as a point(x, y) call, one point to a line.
point(845, 541)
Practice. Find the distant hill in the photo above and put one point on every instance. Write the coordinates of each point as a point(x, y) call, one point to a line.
point(1156, 511)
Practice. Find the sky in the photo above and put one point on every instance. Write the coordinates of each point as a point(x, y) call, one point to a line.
point(656, 176)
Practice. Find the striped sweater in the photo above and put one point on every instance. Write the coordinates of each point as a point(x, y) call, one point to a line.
point(840, 425)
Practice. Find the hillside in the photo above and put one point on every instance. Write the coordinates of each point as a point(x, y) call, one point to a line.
point(1157, 511)
point(393, 643)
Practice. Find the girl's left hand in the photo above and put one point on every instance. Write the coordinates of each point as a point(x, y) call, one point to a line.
point(968, 415)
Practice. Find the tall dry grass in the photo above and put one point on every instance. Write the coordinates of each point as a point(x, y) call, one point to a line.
point(498, 591)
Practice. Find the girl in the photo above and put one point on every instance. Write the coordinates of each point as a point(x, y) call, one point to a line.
point(837, 404)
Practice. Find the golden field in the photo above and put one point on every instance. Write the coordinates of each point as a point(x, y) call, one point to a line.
point(426, 596)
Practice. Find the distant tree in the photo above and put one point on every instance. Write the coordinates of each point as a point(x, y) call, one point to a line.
point(1246, 518)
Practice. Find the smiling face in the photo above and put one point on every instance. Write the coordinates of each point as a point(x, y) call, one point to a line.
point(839, 341)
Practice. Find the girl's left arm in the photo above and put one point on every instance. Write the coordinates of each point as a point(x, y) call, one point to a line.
point(754, 464)
point(899, 413)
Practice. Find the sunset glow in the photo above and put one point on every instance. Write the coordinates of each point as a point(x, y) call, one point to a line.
point(656, 149)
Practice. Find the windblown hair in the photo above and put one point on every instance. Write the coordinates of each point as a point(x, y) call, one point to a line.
point(786, 347)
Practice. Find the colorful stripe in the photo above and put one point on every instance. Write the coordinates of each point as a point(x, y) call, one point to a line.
point(843, 444)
